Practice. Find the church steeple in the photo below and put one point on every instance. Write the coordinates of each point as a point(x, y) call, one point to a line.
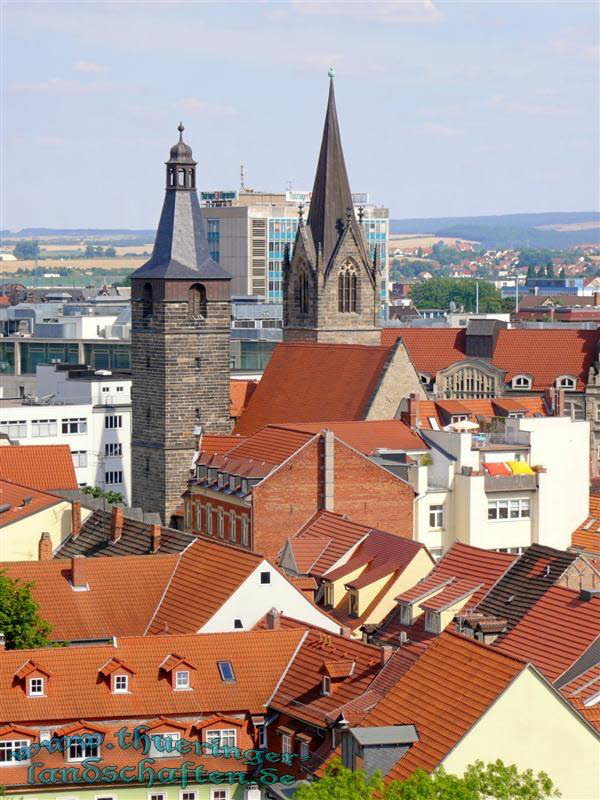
point(331, 205)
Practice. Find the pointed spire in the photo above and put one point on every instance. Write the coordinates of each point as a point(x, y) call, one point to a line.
point(331, 196)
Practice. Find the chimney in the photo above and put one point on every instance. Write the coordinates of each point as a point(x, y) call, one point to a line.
point(45, 547)
point(386, 654)
point(155, 532)
point(413, 410)
point(78, 580)
point(328, 471)
point(75, 520)
point(116, 524)
point(273, 619)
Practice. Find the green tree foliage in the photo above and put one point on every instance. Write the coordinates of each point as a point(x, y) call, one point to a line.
point(531, 271)
point(111, 497)
point(480, 782)
point(20, 621)
point(110, 252)
point(541, 273)
point(550, 269)
point(26, 250)
point(439, 292)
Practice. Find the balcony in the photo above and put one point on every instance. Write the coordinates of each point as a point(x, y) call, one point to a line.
point(509, 483)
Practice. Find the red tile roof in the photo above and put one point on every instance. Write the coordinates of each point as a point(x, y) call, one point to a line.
point(106, 609)
point(14, 495)
point(367, 436)
point(207, 574)
point(587, 535)
point(583, 692)
point(43, 467)
point(543, 354)
point(555, 632)
point(273, 444)
point(308, 382)
point(212, 443)
point(324, 540)
point(442, 410)
point(240, 392)
point(460, 680)
point(258, 658)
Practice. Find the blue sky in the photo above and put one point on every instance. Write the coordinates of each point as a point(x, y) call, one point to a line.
point(446, 108)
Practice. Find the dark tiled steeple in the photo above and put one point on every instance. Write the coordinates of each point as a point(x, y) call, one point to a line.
point(331, 202)
point(181, 247)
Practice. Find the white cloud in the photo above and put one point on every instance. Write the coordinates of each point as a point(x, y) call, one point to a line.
point(376, 10)
point(191, 105)
point(62, 86)
point(89, 66)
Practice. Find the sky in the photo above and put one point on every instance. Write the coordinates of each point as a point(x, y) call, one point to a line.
point(445, 108)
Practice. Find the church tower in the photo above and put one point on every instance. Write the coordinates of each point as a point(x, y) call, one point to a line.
point(180, 345)
point(331, 284)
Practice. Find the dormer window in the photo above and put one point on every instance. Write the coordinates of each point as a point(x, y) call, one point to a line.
point(425, 379)
point(326, 686)
point(458, 418)
point(182, 679)
point(221, 480)
point(120, 684)
point(521, 382)
point(233, 481)
point(432, 622)
point(406, 615)
point(36, 687)
point(226, 671)
point(566, 382)
point(353, 603)
point(244, 486)
point(84, 746)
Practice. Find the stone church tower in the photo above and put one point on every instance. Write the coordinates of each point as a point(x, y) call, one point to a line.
point(331, 285)
point(180, 345)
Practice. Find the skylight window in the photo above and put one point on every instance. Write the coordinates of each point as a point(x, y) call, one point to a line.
point(226, 670)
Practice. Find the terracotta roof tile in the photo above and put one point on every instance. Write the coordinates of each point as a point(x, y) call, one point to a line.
point(460, 679)
point(555, 632)
point(487, 408)
point(587, 536)
point(341, 534)
point(106, 608)
point(273, 444)
point(23, 501)
point(219, 444)
point(367, 436)
point(240, 392)
point(308, 382)
point(43, 467)
point(259, 658)
point(583, 693)
point(430, 349)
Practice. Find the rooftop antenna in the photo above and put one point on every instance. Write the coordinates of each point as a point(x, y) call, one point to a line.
point(288, 185)
point(242, 186)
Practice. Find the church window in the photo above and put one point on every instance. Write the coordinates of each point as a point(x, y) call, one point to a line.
point(147, 300)
point(347, 289)
point(181, 181)
point(469, 382)
point(303, 292)
point(171, 177)
point(197, 300)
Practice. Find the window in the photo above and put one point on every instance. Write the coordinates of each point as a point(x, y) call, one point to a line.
point(219, 794)
point(244, 530)
point(113, 449)
point(209, 525)
point(262, 737)
point(326, 687)
point(458, 418)
point(222, 738)
point(12, 750)
point(147, 300)
point(303, 292)
point(220, 529)
point(197, 300)
point(509, 509)
point(226, 670)
point(113, 477)
point(187, 795)
point(120, 388)
point(237, 624)
point(85, 746)
point(303, 749)
point(432, 622)
point(328, 593)
point(163, 744)
point(44, 427)
point(347, 289)
point(521, 382)
point(406, 614)
point(182, 679)
point(36, 687)
point(120, 684)
point(232, 523)
point(158, 796)
point(79, 458)
point(353, 604)
point(575, 410)
point(265, 577)
point(286, 744)
point(198, 508)
point(566, 382)
point(436, 516)
point(113, 421)
point(14, 428)
point(74, 425)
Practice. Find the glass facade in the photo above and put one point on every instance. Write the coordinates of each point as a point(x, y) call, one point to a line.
point(108, 356)
point(213, 234)
point(252, 355)
point(34, 353)
point(7, 358)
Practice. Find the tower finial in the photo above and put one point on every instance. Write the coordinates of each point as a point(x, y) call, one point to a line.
point(181, 129)
point(331, 72)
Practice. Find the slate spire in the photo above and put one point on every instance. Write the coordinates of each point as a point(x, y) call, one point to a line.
point(331, 201)
point(181, 247)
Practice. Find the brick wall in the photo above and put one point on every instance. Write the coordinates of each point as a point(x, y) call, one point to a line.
point(232, 529)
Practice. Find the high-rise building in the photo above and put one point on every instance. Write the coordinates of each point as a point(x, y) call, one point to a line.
point(180, 345)
point(331, 283)
point(248, 232)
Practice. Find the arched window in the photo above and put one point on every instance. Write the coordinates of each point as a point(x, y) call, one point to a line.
point(182, 181)
point(147, 300)
point(192, 181)
point(197, 300)
point(347, 289)
point(171, 176)
point(521, 382)
point(303, 292)
point(566, 382)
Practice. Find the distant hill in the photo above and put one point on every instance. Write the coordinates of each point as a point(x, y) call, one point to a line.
point(27, 233)
point(511, 230)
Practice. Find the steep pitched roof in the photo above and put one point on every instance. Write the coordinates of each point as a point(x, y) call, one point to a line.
point(122, 595)
point(530, 576)
point(220, 444)
point(308, 382)
point(94, 539)
point(258, 658)
point(240, 392)
point(587, 535)
point(555, 632)
point(43, 467)
point(23, 501)
point(273, 444)
point(324, 540)
point(367, 436)
point(583, 692)
point(207, 574)
point(451, 668)
point(430, 349)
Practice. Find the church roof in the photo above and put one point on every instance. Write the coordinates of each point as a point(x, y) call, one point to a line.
point(331, 196)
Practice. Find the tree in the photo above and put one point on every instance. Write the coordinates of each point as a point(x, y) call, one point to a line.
point(340, 783)
point(110, 496)
point(20, 621)
point(110, 252)
point(530, 271)
point(541, 273)
point(440, 291)
point(550, 269)
point(26, 250)
point(90, 251)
